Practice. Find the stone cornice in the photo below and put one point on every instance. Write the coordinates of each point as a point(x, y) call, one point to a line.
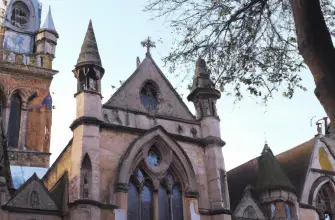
point(85, 120)
point(93, 203)
point(193, 195)
point(31, 211)
point(88, 91)
point(16, 69)
point(204, 142)
point(306, 206)
point(214, 212)
point(121, 187)
point(148, 115)
point(332, 173)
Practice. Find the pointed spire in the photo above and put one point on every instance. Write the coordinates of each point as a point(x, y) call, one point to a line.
point(89, 50)
point(49, 23)
point(271, 175)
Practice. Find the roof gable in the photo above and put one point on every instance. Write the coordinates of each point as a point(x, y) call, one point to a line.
point(32, 195)
point(128, 95)
point(246, 201)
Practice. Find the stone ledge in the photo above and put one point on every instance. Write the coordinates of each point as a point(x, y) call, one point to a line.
point(85, 120)
point(93, 203)
point(214, 212)
point(31, 211)
point(29, 158)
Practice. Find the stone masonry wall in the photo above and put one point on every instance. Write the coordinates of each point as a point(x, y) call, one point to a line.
point(29, 158)
point(60, 166)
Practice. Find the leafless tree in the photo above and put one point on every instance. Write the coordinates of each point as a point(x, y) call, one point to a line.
point(254, 45)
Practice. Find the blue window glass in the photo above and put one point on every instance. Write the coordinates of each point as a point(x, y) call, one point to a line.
point(149, 97)
point(273, 210)
point(288, 211)
point(177, 204)
point(140, 176)
point(163, 204)
point(146, 204)
point(133, 203)
point(153, 158)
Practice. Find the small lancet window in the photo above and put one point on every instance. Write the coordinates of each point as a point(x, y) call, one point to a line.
point(170, 202)
point(86, 177)
point(14, 121)
point(140, 197)
point(273, 210)
point(288, 211)
point(149, 96)
point(20, 15)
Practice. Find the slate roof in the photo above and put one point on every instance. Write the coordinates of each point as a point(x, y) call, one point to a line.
point(271, 174)
point(89, 50)
point(294, 163)
point(49, 23)
point(59, 192)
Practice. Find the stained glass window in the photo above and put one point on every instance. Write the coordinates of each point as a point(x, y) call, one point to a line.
point(163, 204)
point(153, 158)
point(14, 121)
point(149, 97)
point(133, 203)
point(177, 203)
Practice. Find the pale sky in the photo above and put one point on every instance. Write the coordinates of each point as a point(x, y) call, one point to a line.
point(119, 28)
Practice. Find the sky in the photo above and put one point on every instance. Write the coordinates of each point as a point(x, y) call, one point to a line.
point(119, 28)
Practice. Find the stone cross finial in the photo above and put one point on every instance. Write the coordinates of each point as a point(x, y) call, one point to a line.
point(148, 43)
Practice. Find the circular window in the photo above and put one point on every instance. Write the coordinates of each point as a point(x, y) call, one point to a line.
point(154, 158)
point(20, 15)
point(149, 96)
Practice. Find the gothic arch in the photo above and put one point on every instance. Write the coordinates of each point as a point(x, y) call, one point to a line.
point(33, 7)
point(323, 186)
point(175, 159)
point(86, 177)
point(316, 186)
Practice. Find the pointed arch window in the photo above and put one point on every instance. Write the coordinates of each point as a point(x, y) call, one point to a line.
point(20, 15)
point(86, 177)
point(325, 201)
point(149, 96)
point(140, 197)
point(170, 201)
point(14, 121)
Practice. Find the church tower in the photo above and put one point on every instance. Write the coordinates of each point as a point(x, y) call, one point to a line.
point(26, 55)
point(204, 96)
point(85, 172)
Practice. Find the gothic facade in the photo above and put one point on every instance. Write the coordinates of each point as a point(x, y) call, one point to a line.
point(142, 155)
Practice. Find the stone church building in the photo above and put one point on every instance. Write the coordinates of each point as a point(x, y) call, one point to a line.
point(142, 155)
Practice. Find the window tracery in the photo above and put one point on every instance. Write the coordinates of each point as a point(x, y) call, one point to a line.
point(20, 15)
point(140, 206)
point(140, 201)
point(325, 201)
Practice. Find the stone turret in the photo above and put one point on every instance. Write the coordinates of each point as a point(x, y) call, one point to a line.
point(85, 173)
point(46, 41)
point(276, 192)
point(204, 96)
